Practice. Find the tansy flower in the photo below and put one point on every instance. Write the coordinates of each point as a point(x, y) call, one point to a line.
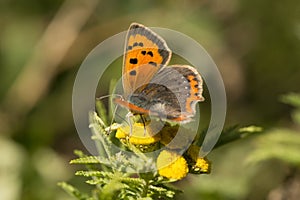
point(171, 165)
point(197, 165)
point(202, 166)
point(142, 138)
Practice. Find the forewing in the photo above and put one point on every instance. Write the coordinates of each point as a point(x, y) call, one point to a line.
point(145, 53)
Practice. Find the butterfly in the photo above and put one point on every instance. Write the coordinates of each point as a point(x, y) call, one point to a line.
point(151, 87)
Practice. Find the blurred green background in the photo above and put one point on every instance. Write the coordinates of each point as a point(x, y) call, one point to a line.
point(255, 45)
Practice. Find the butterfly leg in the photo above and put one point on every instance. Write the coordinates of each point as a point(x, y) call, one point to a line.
point(128, 117)
point(144, 123)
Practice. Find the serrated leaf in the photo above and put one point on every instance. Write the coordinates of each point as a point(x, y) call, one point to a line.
point(79, 153)
point(161, 192)
point(94, 173)
point(103, 143)
point(90, 160)
point(94, 181)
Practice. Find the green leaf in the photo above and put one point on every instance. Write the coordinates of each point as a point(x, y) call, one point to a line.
point(296, 116)
point(100, 136)
point(163, 192)
point(90, 160)
point(100, 108)
point(94, 173)
point(234, 133)
point(282, 144)
point(111, 190)
point(292, 99)
point(79, 153)
point(251, 129)
point(74, 191)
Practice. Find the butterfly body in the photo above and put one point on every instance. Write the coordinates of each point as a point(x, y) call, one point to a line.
point(150, 86)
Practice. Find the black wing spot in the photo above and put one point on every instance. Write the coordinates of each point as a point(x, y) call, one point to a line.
point(152, 63)
point(135, 44)
point(143, 52)
point(141, 44)
point(132, 72)
point(195, 79)
point(196, 85)
point(150, 53)
point(133, 60)
point(129, 47)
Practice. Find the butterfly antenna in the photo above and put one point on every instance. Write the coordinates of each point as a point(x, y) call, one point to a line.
point(113, 117)
point(115, 109)
point(109, 95)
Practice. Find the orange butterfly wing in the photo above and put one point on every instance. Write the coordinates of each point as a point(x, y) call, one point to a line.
point(145, 54)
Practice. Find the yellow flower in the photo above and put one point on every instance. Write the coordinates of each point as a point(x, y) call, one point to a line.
point(202, 166)
point(171, 165)
point(139, 135)
point(197, 165)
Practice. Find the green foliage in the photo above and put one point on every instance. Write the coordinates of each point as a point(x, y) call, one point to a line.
point(114, 173)
point(281, 143)
point(235, 132)
point(293, 99)
point(117, 175)
point(254, 43)
point(73, 191)
point(115, 184)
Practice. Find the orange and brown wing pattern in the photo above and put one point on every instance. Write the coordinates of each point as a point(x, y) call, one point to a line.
point(186, 84)
point(145, 54)
point(172, 94)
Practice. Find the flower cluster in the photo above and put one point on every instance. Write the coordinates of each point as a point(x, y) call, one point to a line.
point(170, 163)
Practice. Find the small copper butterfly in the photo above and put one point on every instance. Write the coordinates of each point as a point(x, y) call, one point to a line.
point(150, 86)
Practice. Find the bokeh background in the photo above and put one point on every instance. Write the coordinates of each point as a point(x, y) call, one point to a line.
point(255, 45)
